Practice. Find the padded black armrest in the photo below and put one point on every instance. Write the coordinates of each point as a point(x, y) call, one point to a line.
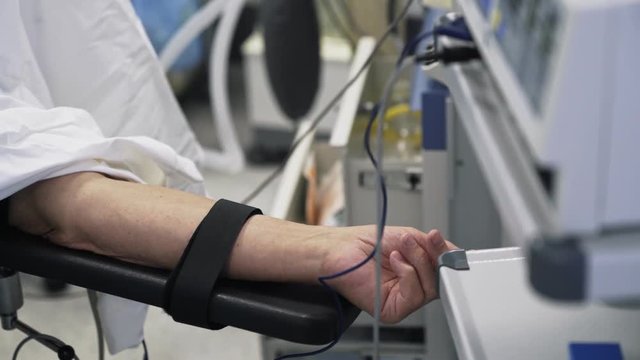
point(295, 312)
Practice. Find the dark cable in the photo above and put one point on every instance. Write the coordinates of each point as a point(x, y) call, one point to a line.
point(146, 351)
point(447, 54)
point(367, 147)
point(328, 107)
point(382, 221)
point(450, 55)
point(445, 30)
point(59, 343)
point(323, 279)
point(384, 199)
point(409, 48)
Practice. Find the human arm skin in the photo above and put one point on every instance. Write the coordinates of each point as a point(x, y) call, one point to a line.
point(152, 225)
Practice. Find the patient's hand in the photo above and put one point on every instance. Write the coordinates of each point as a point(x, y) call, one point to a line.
point(408, 269)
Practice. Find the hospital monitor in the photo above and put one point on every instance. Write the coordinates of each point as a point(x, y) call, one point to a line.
point(568, 71)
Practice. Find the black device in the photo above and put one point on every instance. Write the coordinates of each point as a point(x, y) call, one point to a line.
point(292, 52)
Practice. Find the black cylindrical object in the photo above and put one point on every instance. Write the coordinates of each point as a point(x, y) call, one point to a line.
point(292, 52)
point(10, 297)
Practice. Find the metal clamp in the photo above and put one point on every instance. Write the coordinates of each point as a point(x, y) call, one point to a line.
point(454, 259)
point(10, 298)
point(11, 301)
point(409, 179)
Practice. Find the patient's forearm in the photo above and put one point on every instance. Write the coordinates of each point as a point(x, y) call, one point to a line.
point(152, 225)
point(88, 211)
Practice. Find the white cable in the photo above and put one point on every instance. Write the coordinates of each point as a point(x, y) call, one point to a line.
point(380, 225)
point(231, 157)
point(196, 24)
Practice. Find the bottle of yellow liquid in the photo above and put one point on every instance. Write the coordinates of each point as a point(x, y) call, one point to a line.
point(402, 127)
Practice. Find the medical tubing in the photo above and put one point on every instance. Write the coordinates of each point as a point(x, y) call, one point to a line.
point(410, 47)
point(324, 279)
point(231, 158)
point(380, 214)
point(377, 164)
point(328, 107)
point(377, 112)
point(381, 187)
point(336, 300)
point(381, 205)
point(196, 24)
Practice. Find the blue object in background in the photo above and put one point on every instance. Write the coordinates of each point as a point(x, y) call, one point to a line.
point(595, 351)
point(434, 118)
point(430, 97)
point(420, 83)
point(161, 19)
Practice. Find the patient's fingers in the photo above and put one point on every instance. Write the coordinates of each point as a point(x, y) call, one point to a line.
point(410, 290)
point(419, 259)
point(435, 245)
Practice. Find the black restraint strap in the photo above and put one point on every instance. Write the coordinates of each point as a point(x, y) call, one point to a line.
point(4, 213)
point(191, 283)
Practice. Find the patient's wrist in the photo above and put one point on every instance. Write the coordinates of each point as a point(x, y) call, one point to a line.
point(269, 249)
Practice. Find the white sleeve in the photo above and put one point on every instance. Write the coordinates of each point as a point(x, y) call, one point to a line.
point(38, 144)
point(39, 141)
point(95, 55)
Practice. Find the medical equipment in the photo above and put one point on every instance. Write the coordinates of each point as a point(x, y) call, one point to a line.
point(313, 124)
point(292, 54)
point(339, 138)
point(566, 72)
point(406, 339)
point(11, 301)
point(546, 118)
point(369, 180)
point(381, 196)
point(293, 77)
point(231, 157)
point(160, 21)
point(494, 314)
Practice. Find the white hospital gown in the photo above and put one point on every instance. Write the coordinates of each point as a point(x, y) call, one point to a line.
point(81, 90)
